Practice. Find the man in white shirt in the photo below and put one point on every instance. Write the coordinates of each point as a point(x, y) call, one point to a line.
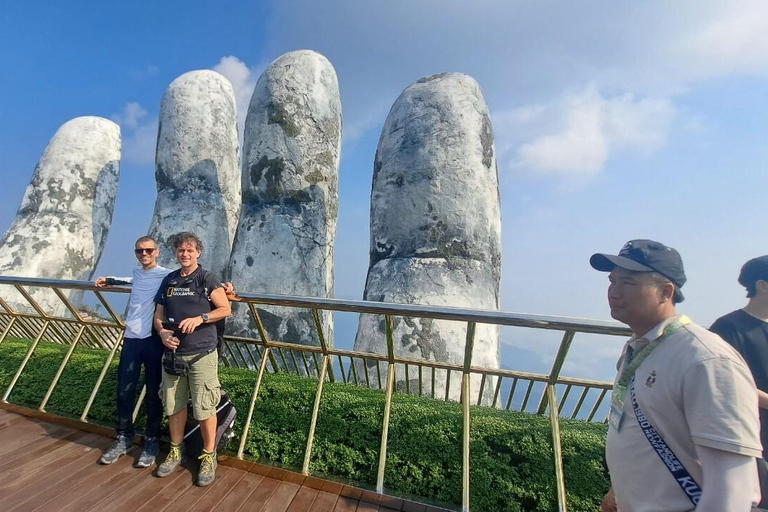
point(683, 429)
point(141, 346)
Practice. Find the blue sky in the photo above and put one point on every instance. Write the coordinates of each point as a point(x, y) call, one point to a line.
point(612, 121)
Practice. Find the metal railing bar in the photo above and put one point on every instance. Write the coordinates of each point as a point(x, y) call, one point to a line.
point(581, 401)
point(381, 308)
point(448, 384)
point(341, 369)
point(554, 421)
point(67, 303)
point(565, 397)
point(315, 411)
point(407, 379)
point(251, 406)
point(597, 404)
point(7, 329)
point(557, 366)
point(378, 374)
point(433, 382)
point(367, 378)
point(293, 359)
point(466, 393)
point(33, 303)
point(108, 307)
point(420, 381)
point(61, 369)
point(306, 363)
point(84, 416)
point(385, 428)
point(25, 361)
point(282, 358)
point(142, 394)
point(482, 388)
point(496, 391)
point(354, 371)
point(527, 395)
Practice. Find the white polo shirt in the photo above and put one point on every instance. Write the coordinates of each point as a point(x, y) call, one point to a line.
point(695, 389)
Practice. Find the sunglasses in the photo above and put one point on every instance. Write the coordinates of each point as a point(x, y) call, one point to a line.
point(144, 251)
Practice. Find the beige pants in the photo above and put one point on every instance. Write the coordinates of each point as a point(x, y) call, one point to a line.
point(201, 383)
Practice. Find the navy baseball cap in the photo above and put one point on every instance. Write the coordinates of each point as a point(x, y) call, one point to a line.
point(645, 256)
point(753, 271)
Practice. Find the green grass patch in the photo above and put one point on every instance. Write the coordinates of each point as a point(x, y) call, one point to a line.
point(511, 463)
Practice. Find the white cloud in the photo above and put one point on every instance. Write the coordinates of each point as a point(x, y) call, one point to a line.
point(243, 80)
point(139, 134)
point(131, 115)
point(577, 133)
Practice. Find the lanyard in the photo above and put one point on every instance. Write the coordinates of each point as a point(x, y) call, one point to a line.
point(620, 386)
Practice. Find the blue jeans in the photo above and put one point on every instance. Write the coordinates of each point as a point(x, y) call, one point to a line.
point(149, 352)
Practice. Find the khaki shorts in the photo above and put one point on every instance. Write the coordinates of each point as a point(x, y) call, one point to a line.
point(202, 383)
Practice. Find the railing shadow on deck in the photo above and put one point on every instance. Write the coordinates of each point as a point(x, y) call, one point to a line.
point(22, 316)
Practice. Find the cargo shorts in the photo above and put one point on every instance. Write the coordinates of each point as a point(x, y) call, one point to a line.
point(201, 383)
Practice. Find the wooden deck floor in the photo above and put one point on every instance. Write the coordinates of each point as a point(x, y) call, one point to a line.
point(50, 467)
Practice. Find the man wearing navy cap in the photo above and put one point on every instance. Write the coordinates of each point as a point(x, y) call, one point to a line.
point(746, 330)
point(683, 429)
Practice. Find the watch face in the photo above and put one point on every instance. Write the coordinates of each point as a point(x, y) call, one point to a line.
point(205, 317)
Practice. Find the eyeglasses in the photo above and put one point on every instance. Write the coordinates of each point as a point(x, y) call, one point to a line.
point(144, 251)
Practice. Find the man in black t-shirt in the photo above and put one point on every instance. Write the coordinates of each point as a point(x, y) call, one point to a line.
point(188, 304)
point(746, 330)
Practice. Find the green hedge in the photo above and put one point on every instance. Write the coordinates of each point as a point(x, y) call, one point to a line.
point(511, 456)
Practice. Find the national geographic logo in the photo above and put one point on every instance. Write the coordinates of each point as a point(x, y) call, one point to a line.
point(179, 292)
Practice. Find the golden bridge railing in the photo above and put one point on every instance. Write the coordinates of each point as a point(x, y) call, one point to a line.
point(266, 355)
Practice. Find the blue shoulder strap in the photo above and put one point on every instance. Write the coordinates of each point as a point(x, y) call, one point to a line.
point(665, 453)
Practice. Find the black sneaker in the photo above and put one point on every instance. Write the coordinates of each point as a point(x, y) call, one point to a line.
point(121, 446)
point(175, 457)
point(149, 453)
point(207, 468)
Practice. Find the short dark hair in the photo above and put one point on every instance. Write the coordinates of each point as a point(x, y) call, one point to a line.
point(145, 238)
point(186, 236)
point(753, 271)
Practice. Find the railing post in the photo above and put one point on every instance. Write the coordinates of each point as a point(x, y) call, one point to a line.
point(84, 416)
point(61, 369)
point(562, 353)
point(249, 417)
point(7, 329)
point(26, 359)
point(315, 410)
point(554, 421)
point(465, 391)
point(387, 405)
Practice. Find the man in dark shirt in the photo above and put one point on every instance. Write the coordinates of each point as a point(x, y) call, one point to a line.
point(189, 303)
point(746, 330)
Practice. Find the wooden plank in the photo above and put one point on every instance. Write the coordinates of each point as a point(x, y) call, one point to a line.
point(365, 506)
point(138, 495)
point(22, 476)
point(282, 497)
point(324, 501)
point(219, 491)
point(303, 500)
point(171, 492)
point(259, 497)
point(188, 501)
point(27, 454)
point(52, 484)
point(345, 504)
point(240, 492)
point(108, 480)
point(31, 432)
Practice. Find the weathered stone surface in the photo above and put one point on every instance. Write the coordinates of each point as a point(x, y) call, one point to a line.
point(197, 168)
point(435, 223)
point(291, 147)
point(64, 218)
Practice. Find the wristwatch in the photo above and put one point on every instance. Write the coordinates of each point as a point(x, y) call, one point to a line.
point(205, 318)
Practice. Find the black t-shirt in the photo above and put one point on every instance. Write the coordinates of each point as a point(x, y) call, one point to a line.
point(749, 335)
point(187, 297)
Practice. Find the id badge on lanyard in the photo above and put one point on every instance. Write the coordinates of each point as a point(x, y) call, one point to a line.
point(617, 405)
